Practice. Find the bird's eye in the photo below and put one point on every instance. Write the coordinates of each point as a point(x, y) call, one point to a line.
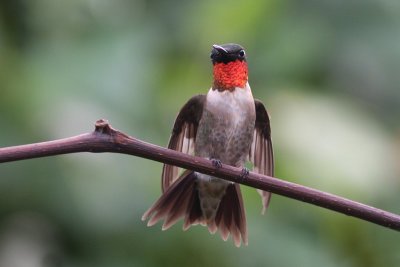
point(242, 53)
point(214, 53)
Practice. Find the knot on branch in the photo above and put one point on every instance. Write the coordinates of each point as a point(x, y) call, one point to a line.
point(103, 127)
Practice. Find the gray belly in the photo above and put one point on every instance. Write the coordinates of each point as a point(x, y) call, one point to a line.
point(226, 135)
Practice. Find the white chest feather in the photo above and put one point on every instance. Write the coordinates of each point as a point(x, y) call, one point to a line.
point(235, 102)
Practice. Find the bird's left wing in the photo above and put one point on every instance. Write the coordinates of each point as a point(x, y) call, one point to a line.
point(183, 135)
point(261, 153)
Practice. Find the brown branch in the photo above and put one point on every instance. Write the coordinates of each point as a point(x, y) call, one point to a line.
point(107, 139)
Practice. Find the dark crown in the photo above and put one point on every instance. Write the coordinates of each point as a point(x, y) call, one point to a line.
point(227, 52)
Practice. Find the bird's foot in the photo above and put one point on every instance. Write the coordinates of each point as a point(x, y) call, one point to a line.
point(216, 163)
point(245, 173)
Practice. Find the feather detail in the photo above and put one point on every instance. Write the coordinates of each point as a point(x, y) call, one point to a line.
point(261, 152)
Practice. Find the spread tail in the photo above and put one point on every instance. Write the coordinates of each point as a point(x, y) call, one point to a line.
point(181, 199)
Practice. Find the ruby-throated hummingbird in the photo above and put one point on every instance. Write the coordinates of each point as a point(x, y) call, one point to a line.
point(227, 126)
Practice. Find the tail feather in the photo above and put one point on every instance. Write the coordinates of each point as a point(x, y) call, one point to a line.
point(230, 217)
point(179, 207)
point(177, 201)
point(194, 213)
point(212, 227)
point(223, 218)
point(181, 199)
point(239, 215)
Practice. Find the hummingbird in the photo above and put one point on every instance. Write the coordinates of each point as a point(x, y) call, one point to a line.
point(227, 126)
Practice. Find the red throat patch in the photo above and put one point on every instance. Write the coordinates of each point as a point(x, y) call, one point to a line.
point(229, 75)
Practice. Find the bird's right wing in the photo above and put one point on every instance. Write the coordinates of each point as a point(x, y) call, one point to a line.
point(183, 135)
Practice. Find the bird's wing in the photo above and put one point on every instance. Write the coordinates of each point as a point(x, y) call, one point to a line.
point(183, 135)
point(261, 154)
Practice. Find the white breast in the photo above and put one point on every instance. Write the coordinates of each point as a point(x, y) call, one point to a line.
point(235, 101)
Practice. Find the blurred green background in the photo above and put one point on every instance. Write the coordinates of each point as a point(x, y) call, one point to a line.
point(328, 72)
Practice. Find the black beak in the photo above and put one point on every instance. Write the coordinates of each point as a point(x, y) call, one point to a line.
point(220, 49)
